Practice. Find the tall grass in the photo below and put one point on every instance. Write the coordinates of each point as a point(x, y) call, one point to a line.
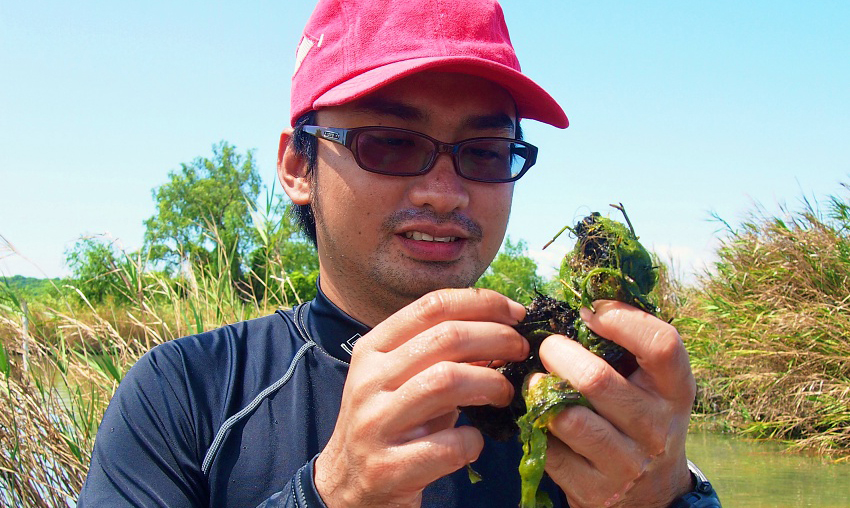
point(79, 352)
point(767, 331)
point(769, 328)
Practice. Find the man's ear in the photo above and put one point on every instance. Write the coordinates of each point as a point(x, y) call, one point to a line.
point(292, 170)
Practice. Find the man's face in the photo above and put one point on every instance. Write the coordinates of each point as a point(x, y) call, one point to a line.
point(382, 240)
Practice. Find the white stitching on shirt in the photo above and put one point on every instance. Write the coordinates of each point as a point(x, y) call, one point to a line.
point(230, 422)
point(301, 326)
point(300, 489)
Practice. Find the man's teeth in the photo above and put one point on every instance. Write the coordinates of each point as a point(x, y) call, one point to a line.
point(416, 235)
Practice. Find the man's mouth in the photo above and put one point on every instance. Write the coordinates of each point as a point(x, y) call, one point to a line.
point(425, 237)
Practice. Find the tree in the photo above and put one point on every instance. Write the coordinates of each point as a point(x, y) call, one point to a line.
point(203, 212)
point(95, 272)
point(513, 273)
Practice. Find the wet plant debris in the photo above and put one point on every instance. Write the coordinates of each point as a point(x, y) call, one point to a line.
point(607, 263)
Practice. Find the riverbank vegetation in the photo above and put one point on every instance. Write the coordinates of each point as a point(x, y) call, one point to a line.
point(768, 326)
point(214, 253)
point(62, 358)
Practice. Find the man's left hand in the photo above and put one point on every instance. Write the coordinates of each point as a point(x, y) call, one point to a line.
point(631, 451)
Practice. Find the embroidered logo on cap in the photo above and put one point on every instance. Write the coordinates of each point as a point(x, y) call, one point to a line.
point(304, 48)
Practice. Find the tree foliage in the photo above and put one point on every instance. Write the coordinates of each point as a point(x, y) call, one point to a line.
point(209, 231)
point(95, 272)
point(203, 212)
point(32, 288)
point(513, 273)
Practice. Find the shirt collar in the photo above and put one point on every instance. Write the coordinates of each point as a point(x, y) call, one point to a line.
point(332, 329)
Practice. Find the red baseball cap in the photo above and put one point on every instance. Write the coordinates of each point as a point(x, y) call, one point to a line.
point(351, 48)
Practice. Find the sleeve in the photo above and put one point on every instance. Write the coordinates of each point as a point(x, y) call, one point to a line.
point(146, 449)
point(299, 492)
point(702, 496)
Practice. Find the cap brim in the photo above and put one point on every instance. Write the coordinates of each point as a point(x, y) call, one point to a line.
point(532, 101)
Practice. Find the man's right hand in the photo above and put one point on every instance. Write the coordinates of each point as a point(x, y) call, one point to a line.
point(396, 432)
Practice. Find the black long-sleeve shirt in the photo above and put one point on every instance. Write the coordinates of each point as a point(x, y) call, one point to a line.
point(235, 417)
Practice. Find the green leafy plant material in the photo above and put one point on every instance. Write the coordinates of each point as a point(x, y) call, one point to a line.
point(607, 263)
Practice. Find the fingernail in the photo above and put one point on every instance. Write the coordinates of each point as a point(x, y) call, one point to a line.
point(517, 311)
point(586, 314)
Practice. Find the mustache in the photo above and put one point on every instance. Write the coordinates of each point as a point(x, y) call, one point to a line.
point(397, 219)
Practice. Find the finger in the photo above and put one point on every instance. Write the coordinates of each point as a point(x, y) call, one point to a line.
point(438, 306)
point(442, 388)
point(489, 363)
point(610, 393)
point(657, 346)
point(456, 341)
point(421, 462)
point(638, 413)
point(582, 482)
point(596, 440)
point(568, 468)
point(609, 472)
point(442, 422)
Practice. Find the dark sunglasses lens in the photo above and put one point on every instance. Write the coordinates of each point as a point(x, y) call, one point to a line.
point(492, 160)
point(393, 152)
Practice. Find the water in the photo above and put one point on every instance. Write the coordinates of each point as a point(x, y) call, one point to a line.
point(755, 474)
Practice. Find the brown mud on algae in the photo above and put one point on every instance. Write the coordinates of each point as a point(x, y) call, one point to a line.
point(607, 263)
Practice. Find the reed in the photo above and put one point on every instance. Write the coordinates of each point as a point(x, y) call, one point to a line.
point(79, 352)
point(769, 329)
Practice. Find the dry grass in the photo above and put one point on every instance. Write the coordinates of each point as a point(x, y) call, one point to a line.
point(769, 330)
point(77, 355)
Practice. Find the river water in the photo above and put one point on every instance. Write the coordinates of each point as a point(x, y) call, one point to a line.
point(756, 474)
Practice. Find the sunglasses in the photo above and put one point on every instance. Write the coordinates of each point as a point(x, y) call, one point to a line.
point(402, 152)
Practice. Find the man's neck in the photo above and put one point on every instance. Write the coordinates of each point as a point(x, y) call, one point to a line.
point(365, 303)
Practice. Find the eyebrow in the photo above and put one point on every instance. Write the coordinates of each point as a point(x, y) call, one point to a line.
point(494, 121)
point(402, 111)
point(382, 106)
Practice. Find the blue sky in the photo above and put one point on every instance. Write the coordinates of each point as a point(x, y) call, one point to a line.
point(677, 109)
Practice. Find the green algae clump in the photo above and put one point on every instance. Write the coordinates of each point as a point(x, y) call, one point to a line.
point(607, 263)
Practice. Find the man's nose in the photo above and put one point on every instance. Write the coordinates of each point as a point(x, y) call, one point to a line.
point(442, 188)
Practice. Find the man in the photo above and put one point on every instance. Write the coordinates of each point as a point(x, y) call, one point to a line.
point(402, 161)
